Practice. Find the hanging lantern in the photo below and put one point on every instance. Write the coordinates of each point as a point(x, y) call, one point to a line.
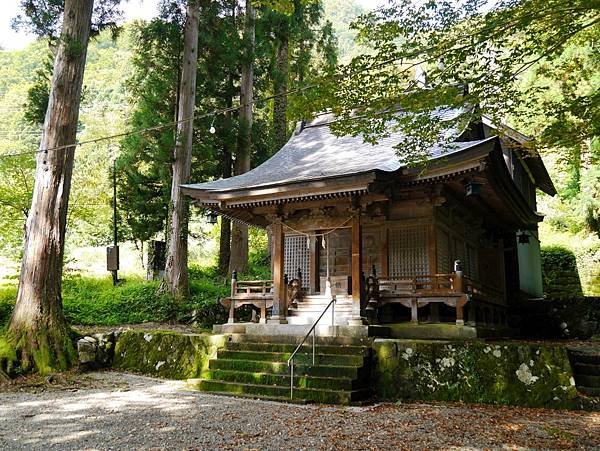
point(523, 238)
point(211, 217)
point(473, 189)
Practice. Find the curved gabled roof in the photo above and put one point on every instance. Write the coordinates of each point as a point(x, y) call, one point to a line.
point(316, 153)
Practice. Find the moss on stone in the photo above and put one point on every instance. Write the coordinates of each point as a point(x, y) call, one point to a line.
point(502, 373)
point(166, 354)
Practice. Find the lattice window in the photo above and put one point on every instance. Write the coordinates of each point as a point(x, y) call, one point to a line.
point(408, 252)
point(471, 266)
point(371, 251)
point(443, 253)
point(296, 256)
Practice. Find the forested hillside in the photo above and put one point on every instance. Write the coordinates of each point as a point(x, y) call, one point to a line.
point(131, 83)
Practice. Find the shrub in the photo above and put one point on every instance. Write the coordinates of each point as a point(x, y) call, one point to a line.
point(555, 258)
point(204, 307)
point(92, 301)
point(8, 294)
point(560, 274)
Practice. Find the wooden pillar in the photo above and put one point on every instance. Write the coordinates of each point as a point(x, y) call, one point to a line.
point(231, 319)
point(356, 319)
point(279, 288)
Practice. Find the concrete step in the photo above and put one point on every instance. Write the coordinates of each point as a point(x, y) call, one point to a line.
point(308, 394)
point(586, 368)
point(257, 366)
point(590, 356)
point(290, 339)
point(192, 384)
point(587, 380)
point(324, 301)
point(283, 380)
point(308, 320)
point(590, 391)
point(320, 308)
point(300, 369)
point(290, 347)
point(301, 357)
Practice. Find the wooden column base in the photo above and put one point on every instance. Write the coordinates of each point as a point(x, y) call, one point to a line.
point(356, 321)
point(414, 309)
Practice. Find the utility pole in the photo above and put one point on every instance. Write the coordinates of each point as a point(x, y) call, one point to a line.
point(113, 251)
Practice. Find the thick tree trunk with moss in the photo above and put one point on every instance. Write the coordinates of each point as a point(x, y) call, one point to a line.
point(37, 328)
point(176, 279)
point(239, 232)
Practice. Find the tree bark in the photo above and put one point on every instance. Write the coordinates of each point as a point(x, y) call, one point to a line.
point(239, 232)
point(225, 236)
point(280, 87)
point(176, 279)
point(37, 327)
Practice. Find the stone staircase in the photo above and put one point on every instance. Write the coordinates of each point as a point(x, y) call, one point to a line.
point(256, 366)
point(311, 306)
point(586, 369)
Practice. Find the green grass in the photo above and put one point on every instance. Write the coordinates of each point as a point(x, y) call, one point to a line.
point(94, 301)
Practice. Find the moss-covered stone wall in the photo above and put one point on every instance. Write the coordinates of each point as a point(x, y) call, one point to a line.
point(504, 373)
point(166, 354)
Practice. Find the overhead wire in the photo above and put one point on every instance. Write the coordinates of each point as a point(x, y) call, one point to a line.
point(196, 117)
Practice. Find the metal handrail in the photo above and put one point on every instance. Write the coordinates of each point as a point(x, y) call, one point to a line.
point(290, 361)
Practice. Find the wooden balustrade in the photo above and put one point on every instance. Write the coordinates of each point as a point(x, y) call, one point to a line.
point(258, 293)
point(418, 291)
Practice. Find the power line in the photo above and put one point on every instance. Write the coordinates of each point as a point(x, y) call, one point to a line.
point(195, 117)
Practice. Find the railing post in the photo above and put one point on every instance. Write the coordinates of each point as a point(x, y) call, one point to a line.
point(333, 313)
point(459, 288)
point(458, 279)
point(292, 380)
point(231, 319)
point(286, 282)
point(313, 344)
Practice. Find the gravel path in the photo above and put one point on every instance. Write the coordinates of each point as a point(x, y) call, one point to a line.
point(124, 411)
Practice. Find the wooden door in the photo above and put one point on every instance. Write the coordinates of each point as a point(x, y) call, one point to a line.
point(338, 249)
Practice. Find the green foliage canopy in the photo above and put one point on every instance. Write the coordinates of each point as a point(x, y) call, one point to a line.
point(475, 53)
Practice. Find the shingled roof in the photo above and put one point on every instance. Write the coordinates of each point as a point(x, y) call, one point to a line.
point(314, 153)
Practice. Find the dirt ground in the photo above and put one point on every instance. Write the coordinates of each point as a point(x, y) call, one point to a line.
point(110, 410)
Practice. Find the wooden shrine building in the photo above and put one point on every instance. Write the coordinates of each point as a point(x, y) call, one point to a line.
point(456, 242)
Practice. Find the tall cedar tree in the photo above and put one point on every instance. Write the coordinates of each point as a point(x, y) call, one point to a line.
point(37, 327)
point(144, 161)
point(176, 280)
point(239, 233)
point(300, 39)
point(143, 165)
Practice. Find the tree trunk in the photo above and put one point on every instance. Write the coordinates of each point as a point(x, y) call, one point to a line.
point(176, 279)
point(225, 236)
point(37, 327)
point(280, 87)
point(239, 232)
